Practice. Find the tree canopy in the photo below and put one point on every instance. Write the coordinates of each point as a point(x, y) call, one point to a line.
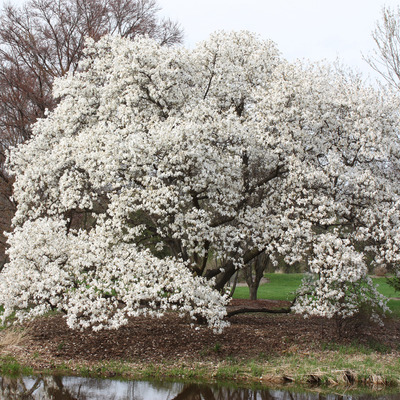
point(163, 171)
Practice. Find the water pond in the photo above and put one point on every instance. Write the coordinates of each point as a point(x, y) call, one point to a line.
point(71, 388)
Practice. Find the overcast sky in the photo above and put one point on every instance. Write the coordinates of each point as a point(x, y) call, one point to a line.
point(311, 29)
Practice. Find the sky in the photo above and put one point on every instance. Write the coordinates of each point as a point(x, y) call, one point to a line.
point(305, 29)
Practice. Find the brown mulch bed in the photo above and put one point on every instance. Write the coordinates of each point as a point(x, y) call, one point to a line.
point(172, 338)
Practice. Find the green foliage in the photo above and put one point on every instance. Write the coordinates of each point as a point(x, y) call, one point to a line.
point(85, 371)
point(228, 372)
point(11, 367)
point(256, 369)
point(394, 282)
point(217, 347)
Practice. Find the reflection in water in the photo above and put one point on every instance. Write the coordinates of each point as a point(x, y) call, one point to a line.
point(73, 388)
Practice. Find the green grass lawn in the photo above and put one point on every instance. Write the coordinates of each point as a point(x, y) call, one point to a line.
point(389, 292)
point(283, 286)
point(384, 288)
point(279, 287)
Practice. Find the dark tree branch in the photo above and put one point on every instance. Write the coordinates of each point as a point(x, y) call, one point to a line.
point(258, 310)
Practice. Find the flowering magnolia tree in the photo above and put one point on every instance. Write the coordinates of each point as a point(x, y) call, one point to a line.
point(164, 170)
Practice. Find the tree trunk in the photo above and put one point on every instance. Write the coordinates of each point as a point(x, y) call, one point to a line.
point(225, 272)
point(253, 274)
point(223, 277)
point(233, 287)
point(253, 289)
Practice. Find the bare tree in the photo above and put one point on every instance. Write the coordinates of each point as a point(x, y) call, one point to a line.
point(386, 56)
point(45, 39)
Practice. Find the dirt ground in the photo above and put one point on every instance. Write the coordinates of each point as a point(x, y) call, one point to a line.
point(250, 336)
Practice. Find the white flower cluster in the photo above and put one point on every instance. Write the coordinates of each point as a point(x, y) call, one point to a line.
point(338, 284)
point(98, 280)
point(160, 161)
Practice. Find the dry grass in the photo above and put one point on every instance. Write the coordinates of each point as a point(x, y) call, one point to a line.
point(13, 337)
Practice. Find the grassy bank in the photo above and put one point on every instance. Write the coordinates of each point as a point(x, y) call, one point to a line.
point(370, 364)
point(339, 368)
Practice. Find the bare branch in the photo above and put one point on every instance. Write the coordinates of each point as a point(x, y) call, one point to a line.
point(386, 58)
